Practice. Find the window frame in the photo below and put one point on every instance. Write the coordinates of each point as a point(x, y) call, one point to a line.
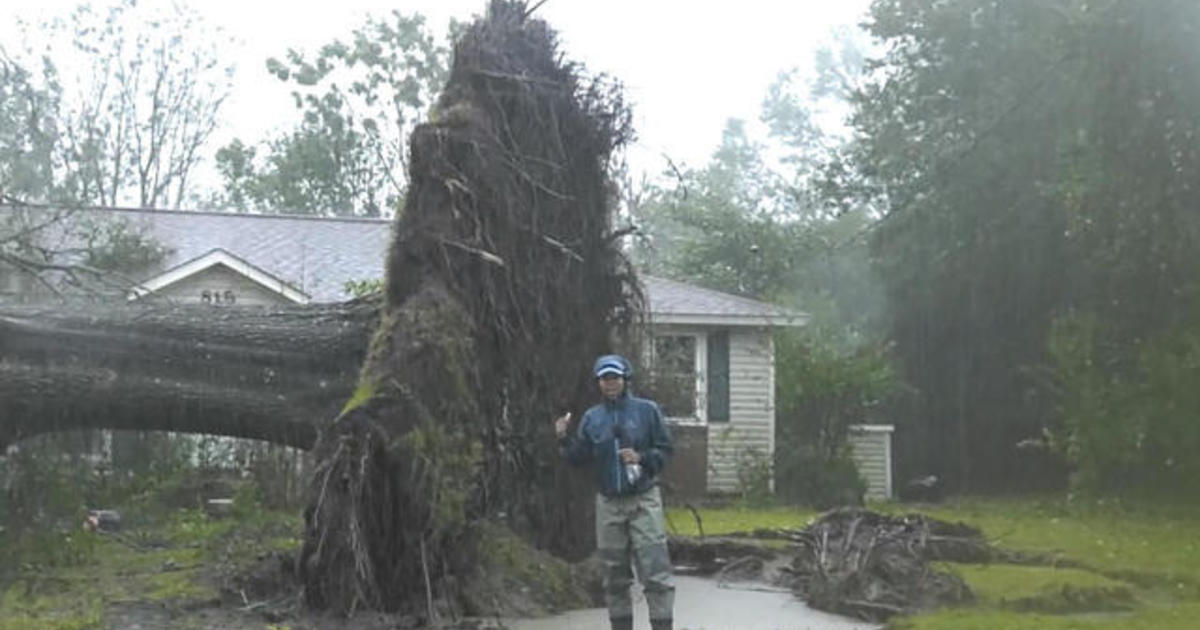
point(700, 391)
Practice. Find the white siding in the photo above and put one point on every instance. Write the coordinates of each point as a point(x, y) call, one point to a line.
point(751, 423)
point(871, 449)
point(219, 279)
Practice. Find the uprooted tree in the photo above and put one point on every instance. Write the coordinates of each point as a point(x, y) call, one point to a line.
point(503, 278)
point(272, 374)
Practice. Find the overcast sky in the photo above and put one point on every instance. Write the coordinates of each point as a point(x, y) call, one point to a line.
point(687, 65)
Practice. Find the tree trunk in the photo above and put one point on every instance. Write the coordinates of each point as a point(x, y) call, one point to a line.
point(271, 374)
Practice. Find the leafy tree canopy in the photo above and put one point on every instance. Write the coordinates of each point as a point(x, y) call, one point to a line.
point(113, 107)
point(1031, 158)
point(359, 100)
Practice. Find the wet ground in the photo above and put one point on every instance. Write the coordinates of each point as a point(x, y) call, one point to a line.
point(703, 604)
point(700, 604)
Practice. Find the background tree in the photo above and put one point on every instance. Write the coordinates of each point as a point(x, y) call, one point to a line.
point(358, 100)
point(754, 221)
point(1031, 160)
point(108, 107)
point(1129, 203)
point(28, 133)
point(138, 92)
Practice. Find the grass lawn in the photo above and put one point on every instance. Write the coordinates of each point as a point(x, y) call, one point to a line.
point(720, 521)
point(1100, 564)
point(66, 580)
point(1044, 589)
point(1154, 545)
point(1160, 617)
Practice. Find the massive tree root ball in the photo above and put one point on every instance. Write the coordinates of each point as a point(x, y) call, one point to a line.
point(503, 278)
point(872, 566)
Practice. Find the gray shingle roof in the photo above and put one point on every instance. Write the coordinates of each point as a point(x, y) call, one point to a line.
point(317, 255)
point(678, 302)
point(314, 254)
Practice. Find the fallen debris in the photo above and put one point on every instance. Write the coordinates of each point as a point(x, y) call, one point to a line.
point(872, 566)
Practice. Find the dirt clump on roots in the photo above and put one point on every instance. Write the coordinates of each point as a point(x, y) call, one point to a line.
point(504, 277)
point(872, 566)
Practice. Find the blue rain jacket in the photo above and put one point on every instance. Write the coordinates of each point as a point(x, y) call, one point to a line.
point(627, 422)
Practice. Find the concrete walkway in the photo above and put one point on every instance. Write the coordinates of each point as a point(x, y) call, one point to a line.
point(700, 604)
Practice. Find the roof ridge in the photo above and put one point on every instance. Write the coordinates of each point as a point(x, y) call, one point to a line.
point(725, 294)
point(212, 213)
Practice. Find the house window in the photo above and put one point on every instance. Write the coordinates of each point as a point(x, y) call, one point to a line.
point(689, 376)
point(675, 375)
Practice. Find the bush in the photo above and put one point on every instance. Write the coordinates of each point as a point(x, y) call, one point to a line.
point(822, 388)
point(805, 478)
point(754, 477)
point(1128, 410)
point(49, 480)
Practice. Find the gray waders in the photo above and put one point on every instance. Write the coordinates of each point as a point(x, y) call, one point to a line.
point(630, 533)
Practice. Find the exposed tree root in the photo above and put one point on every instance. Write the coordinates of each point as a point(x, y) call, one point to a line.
point(872, 566)
point(503, 279)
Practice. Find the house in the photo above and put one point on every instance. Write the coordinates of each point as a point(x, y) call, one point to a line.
point(710, 354)
point(721, 345)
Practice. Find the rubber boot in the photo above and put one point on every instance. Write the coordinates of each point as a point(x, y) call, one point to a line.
point(660, 624)
point(623, 623)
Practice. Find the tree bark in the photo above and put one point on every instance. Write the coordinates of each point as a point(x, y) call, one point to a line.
point(270, 374)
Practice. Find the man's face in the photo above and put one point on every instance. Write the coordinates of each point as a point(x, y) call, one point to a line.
point(611, 385)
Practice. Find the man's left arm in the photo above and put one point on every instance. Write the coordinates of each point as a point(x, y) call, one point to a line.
point(660, 447)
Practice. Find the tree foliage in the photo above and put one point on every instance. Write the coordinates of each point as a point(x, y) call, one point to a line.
point(117, 103)
point(28, 137)
point(359, 100)
point(825, 386)
point(754, 221)
point(107, 107)
point(1032, 158)
point(1127, 414)
point(56, 251)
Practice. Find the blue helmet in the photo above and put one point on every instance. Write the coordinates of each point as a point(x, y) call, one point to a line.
point(612, 364)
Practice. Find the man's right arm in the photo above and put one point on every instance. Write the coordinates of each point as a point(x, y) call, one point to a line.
point(575, 449)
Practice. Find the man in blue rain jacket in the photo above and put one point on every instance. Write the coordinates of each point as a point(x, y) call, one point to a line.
point(627, 444)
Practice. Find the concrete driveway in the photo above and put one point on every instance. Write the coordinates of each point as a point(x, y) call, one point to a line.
point(701, 604)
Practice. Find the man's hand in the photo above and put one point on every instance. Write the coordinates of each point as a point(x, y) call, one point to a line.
point(561, 424)
point(629, 456)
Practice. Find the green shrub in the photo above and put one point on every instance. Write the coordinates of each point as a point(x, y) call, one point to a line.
point(822, 388)
point(754, 477)
point(1128, 410)
point(246, 503)
point(803, 477)
point(47, 548)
